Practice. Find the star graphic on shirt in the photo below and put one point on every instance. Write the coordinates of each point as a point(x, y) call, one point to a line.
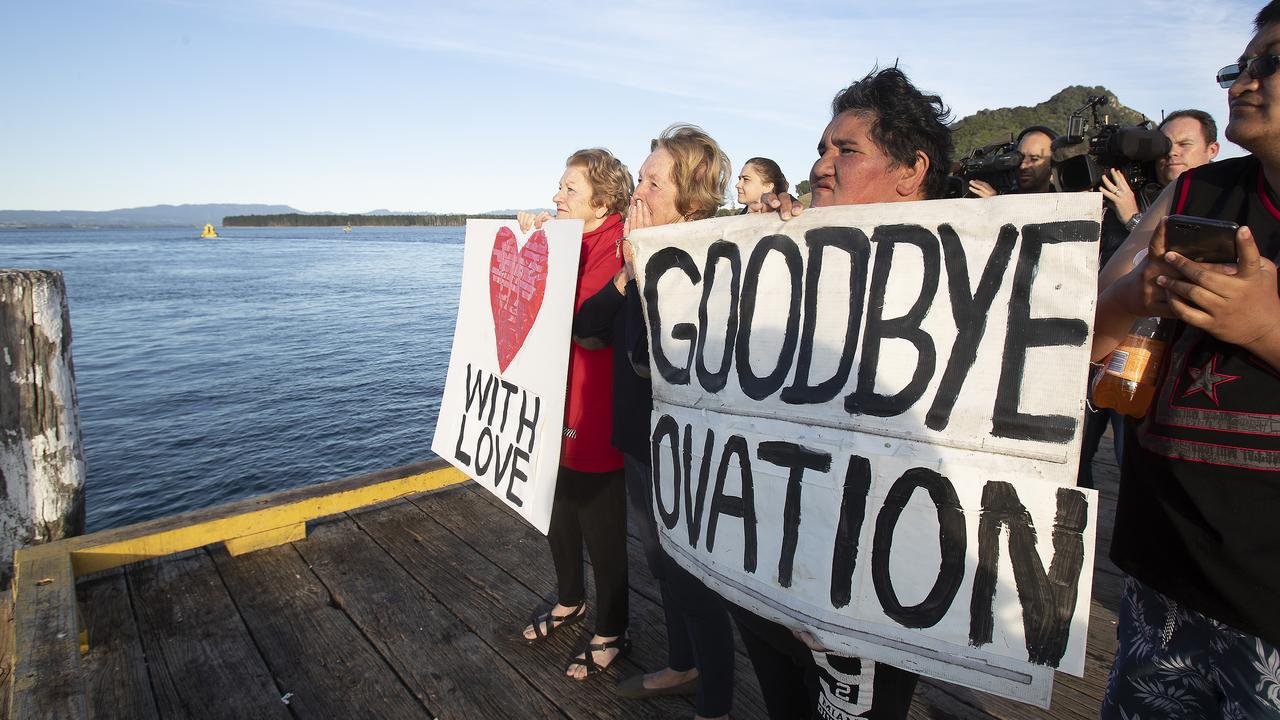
point(1207, 379)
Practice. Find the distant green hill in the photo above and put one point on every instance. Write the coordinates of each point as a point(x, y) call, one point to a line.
point(989, 126)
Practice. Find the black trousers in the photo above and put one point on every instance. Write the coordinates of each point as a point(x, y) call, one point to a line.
point(795, 685)
point(592, 508)
point(699, 633)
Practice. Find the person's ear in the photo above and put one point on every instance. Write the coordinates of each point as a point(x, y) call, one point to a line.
point(1213, 150)
point(911, 177)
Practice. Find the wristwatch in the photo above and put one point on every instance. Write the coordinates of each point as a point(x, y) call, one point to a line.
point(1133, 222)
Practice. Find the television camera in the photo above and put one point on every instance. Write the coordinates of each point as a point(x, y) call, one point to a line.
point(1090, 149)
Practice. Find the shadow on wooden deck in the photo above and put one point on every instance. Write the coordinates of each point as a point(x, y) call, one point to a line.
point(410, 610)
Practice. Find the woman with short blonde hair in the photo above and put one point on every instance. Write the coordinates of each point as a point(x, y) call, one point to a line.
point(700, 170)
point(683, 179)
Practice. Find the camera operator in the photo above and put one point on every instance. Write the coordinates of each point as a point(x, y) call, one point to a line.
point(1194, 135)
point(1193, 138)
point(1035, 172)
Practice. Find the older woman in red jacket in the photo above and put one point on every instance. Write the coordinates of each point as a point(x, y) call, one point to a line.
point(590, 503)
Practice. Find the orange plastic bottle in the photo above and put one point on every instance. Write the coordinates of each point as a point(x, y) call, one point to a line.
point(1128, 377)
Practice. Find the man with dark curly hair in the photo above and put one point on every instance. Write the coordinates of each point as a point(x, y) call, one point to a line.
point(887, 142)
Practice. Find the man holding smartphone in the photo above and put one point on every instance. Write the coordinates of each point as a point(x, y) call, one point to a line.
point(1200, 482)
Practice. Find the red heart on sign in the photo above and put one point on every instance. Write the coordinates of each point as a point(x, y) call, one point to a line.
point(517, 282)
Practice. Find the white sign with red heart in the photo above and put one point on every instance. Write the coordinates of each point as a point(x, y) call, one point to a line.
point(502, 409)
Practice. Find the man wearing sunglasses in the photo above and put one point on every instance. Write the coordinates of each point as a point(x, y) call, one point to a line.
point(1196, 522)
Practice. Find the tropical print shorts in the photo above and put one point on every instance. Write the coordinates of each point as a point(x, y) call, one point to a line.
point(1176, 663)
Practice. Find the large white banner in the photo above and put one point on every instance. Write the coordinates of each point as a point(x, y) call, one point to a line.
point(502, 413)
point(867, 425)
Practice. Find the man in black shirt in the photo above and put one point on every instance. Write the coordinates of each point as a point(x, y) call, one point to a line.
point(1200, 481)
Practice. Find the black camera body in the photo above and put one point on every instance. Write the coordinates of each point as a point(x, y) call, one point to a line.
point(1086, 155)
point(996, 164)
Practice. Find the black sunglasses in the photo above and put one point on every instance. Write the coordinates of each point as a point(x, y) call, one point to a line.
point(1258, 68)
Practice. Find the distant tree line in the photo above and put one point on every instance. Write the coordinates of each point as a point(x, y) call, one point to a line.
point(303, 220)
point(978, 130)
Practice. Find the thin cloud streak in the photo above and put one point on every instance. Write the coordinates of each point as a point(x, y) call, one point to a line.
point(709, 52)
point(337, 104)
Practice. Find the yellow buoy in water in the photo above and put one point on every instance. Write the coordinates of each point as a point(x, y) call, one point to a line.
point(208, 232)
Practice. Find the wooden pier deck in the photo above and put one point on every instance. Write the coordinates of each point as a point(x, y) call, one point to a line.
point(409, 609)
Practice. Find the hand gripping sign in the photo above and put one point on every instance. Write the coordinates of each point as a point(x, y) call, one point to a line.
point(867, 422)
point(503, 405)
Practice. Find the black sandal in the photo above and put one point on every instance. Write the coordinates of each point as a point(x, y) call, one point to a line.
point(553, 622)
point(622, 644)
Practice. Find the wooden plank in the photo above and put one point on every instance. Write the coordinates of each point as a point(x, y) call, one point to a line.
point(648, 620)
point(47, 682)
point(265, 539)
point(524, 547)
point(452, 671)
point(510, 542)
point(640, 579)
point(463, 578)
point(201, 659)
point(164, 536)
point(1073, 697)
point(6, 651)
point(46, 677)
point(520, 549)
point(933, 701)
point(495, 606)
point(116, 665)
point(317, 655)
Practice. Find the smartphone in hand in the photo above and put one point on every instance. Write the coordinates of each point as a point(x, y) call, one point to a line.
point(1203, 240)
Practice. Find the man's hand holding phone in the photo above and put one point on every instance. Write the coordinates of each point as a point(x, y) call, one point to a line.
point(1235, 302)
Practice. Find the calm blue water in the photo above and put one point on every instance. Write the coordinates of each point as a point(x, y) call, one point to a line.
point(213, 370)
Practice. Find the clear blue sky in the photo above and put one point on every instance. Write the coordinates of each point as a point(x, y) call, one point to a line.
point(350, 105)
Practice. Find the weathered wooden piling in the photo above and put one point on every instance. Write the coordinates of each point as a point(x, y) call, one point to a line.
point(42, 465)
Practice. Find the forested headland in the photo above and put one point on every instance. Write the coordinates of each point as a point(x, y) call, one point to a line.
point(1003, 124)
point(974, 131)
point(306, 220)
